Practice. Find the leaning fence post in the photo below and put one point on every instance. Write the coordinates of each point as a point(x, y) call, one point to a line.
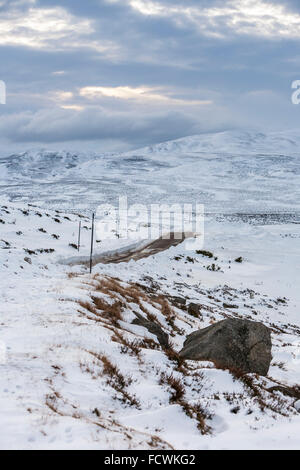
point(92, 243)
point(79, 230)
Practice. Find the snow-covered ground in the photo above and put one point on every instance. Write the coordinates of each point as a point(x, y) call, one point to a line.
point(78, 371)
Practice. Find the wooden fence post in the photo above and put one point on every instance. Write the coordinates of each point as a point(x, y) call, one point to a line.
point(92, 243)
point(79, 230)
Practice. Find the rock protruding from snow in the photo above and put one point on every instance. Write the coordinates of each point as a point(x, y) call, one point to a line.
point(153, 328)
point(232, 343)
point(194, 310)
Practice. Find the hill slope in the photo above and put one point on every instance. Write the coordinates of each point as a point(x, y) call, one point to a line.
point(228, 172)
point(79, 372)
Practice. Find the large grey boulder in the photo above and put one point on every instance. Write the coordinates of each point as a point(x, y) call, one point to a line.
point(232, 343)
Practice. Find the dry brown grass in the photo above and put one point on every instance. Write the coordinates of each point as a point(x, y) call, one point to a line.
point(72, 275)
point(98, 309)
point(265, 398)
point(117, 380)
point(148, 343)
point(87, 306)
point(51, 403)
point(167, 312)
point(293, 392)
point(113, 286)
point(193, 411)
point(174, 357)
point(175, 384)
point(112, 312)
point(132, 348)
point(102, 310)
point(124, 295)
point(62, 407)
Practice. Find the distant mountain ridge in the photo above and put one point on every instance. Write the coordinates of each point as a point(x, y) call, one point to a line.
point(226, 171)
point(230, 142)
point(234, 142)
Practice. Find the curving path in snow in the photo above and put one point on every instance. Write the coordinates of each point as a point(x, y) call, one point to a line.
point(136, 251)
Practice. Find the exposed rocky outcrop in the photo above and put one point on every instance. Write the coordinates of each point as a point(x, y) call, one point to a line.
point(153, 328)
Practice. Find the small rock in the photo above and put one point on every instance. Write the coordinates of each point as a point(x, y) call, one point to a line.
point(178, 300)
point(194, 310)
point(153, 328)
point(225, 305)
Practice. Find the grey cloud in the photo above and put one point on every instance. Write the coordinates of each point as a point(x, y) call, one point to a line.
point(153, 51)
point(63, 125)
point(133, 127)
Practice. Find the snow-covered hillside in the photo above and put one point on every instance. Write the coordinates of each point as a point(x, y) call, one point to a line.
point(232, 142)
point(78, 366)
point(80, 374)
point(228, 172)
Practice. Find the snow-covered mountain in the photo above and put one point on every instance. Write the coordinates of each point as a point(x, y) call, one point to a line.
point(227, 172)
point(231, 142)
point(41, 164)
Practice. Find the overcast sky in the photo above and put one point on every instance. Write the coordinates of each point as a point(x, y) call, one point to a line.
point(119, 74)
